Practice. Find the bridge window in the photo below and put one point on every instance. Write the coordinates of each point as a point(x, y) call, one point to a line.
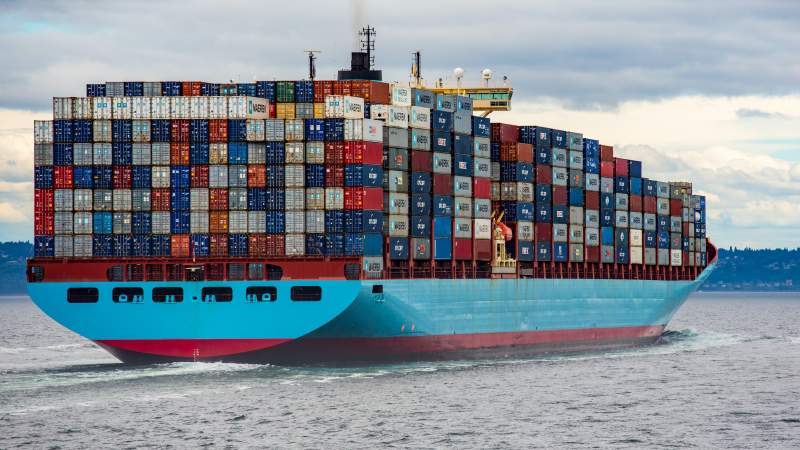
point(236, 271)
point(82, 295)
point(167, 295)
point(114, 273)
point(261, 294)
point(217, 294)
point(255, 271)
point(128, 295)
point(306, 293)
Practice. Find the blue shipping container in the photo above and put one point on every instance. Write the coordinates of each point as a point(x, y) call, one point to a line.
point(198, 131)
point(560, 251)
point(141, 222)
point(481, 126)
point(442, 121)
point(462, 144)
point(122, 153)
point(62, 154)
point(140, 245)
point(334, 244)
point(420, 182)
point(420, 226)
point(334, 129)
point(266, 89)
point(102, 177)
point(373, 244)
point(442, 142)
point(82, 177)
point(314, 129)
point(237, 244)
point(179, 222)
point(237, 153)
point(102, 245)
point(44, 246)
point(160, 130)
point(560, 214)
point(170, 88)
point(442, 205)
point(121, 130)
point(82, 131)
point(442, 227)
point(544, 212)
point(141, 177)
point(122, 245)
point(543, 251)
point(442, 249)
point(237, 130)
point(334, 221)
point(180, 176)
point(96, 90)
point(420, 205)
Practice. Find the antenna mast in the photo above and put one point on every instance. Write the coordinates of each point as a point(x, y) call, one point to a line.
point(416, 71)
point(312, 67)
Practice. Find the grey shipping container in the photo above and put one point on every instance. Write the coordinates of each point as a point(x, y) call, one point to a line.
point(295, 199)
point(462, 228)
point(592, 217)
point(82, 223)
point(141, 154)
point(275, 130)
point(160, 155)
point(256, 222)
point(442, 163)
point(295, 175)
point(237, 175)
point(121, 199)
point(82, 154)
point(576, 234)
point(397, 158)
point(482, 147)
point(140, 200)
point(592, 236)
point(103, 200)
point(576, 215)
point(198, 199)
point(395, 137)
point(462, 186)
point(462, 207)
point(295, 244)
point(576, 252)
point(295, 221)
point(237, 221)
point(560, 177)
point(663, 257)
point(482, 208)
point(621, 219)
point(421, 248)
point(315, 152)
point(636, 220)
point(82, 199)
point(559, 158)
point(397, 181)
point(607, 254)
point(101, 131)
point(121, 223)
point(607, 185)
point(63, 246)
point(62, 199)
point(256, 153)
point(462, 122)
point(592, 181)
point(315, 221)
point(237, 199)
point(160, 222)
point(650, 256)
point(315, 199)
point(43, 154)
point(397, 203)
point(62, 222)
point(218, 176)
point(102, 154)
point(560, 232)
point(82, 246)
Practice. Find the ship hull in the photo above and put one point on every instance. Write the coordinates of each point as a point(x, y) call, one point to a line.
point(374, 320)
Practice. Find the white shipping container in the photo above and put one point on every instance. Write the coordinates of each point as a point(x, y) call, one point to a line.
point(295, 175)
point(218, 176)
point(354, 130)
point(43, 154)
point(295, 221)
point(637, 255)
point(462, 207)
point(398, 203)
point(524, 230)
point(334, 106)
point(315, 198)
point(121, 223)
point(257, 222)
point(102, 154)
point(254, 130)
point(217, 107)
point(122, 200)
point(420, 118)
point(462, 186)
point(198, 199)
point(636, 238)
point(240, 107)
point(101, 131)
point(295, 199)
point(397, 117)
point(82, 108)
point(482, 167)
point(675, 258)
point(101, 108)
point(82, 223)
point(294, 153)
point(218, 153)
point(62, 199)
point(159, 176)
point(334, 198)
point(482, 208)
point(315, 152)
point(140, 108)
point(63, 246)
point(462, 228)
point(160, 154)
point(237, 221)
point(353, 107)
point(483, 228)
point(42, 131)
point(62, 222)
point(295, 244)
point(62, 108)
point(198, 107)
point(141, 130)
point(294, 130)
point(121, 108)
point(82, 199)
point(180, 107)
point(82, 246)
point(160, 107)
point(401, 95)
point(198, 222)
point(379, 112)
point(398, 225)
point(140, 154)
point(160, 222)
point(315, 221)
point(373, 130)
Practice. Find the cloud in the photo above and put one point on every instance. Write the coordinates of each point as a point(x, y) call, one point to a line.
point(747, 113)
point(10, 213)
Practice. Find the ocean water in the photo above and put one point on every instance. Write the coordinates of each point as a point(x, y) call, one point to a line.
point(725, 375)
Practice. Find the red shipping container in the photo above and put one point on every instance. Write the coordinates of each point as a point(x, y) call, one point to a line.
point(256, 176)
point(360, 88)
point(217, 130)
point(121, 177)
point(482, 188)
point(43, 223)
point(525, 152)
point(685, 259)
point(276, 245)
point(334, 152)
point(592, 254)
point(635, 203)
point(685, 228)
point(218, 222)
point(462, 249)
point(368, 199)
point(257, 245)
point(218, 199)
point(199, 176)
point(159, 199)
point(62, 177)
point(379, 93)
point(179, 245)
point(191, 88)
point(179, 130)
point(675, 207)
point(606, 153)
point(179, 153)
point(334, 176)
point(322, 88)
point(483, 249)
point(544, 174)
point(505, 133)
point(354, 152)
point(620, 167)
point(273, 110)
point(544, 232)
point(43, 200)
point(373, 153)
point(592, 199)
point(607, 169)
point(421, 161)
point(218, 245)
point(347, 87)
point(560, 195)
point(338, 88)
point(442, 184)
point(650, 205)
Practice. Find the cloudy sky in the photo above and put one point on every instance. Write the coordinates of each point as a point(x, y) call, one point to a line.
point(701, 91)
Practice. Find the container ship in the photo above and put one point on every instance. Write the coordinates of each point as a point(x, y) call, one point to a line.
point(316, 220)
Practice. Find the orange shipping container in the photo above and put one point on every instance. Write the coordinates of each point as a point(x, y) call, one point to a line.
point(179, 245)
point(218, 221)
point(257, 245)
point(217, 130)
point(322, 88)
point(218, 199)
point(199, 176)
point(179, 153)
point(319, 110)
point(285, 111)
point(159, 199)
point(179, 130)
point(276, 245)
point(121, 177)
point(256, 176)
point(218, 245)
point(191, 88)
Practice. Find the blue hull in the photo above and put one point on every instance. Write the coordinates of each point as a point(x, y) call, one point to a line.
point(356, 319)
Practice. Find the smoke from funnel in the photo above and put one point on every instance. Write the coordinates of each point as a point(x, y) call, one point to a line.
point(359, 8)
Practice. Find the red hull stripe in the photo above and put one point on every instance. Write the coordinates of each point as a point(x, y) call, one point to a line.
point(192, 348)
point(210, 348)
